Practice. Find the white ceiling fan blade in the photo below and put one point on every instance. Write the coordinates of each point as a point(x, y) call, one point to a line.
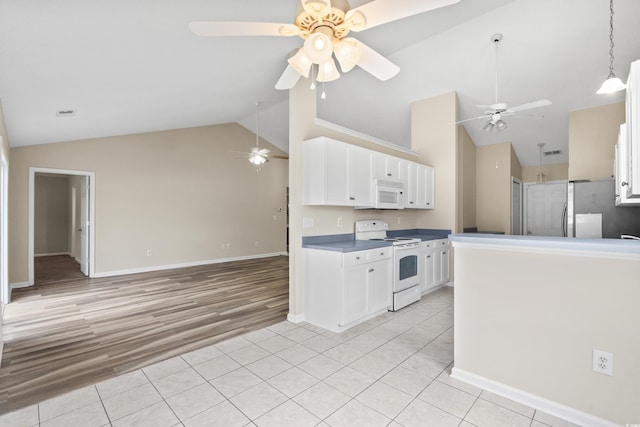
point(530, 105)
point(222, 29)
point(288, 79)
point(380, 12)
point(376, 64)
point(473, 118)
point(526, 116)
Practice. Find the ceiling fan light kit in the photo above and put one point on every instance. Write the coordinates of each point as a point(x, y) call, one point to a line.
point(612, 84)
point(324, 26)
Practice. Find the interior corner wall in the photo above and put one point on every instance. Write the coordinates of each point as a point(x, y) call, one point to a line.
point(467, 195)
point(493, 187)
point(180, 194)
point(516, 168)
point(434, 138)
point(552, 172)
point(593, 134)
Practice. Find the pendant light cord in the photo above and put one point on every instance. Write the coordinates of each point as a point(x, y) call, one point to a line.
point(258, 122)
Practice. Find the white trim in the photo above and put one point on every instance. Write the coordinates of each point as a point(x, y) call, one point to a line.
point(185, 264)
point(19, 285)
point(5, 287)
point(53, 254)
point(92, 210)
point(350, 132)
point(295, 318)
point(533, 401)
point(627, 256)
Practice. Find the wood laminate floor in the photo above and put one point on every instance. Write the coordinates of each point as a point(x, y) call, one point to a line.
point(67, 333)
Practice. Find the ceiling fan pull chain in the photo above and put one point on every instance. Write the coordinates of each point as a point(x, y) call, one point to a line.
point(313, 77)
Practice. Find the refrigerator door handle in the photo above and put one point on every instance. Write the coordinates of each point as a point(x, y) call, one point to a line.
point(564, 220)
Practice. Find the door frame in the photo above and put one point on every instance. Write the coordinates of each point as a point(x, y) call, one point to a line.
point(5, 292)
point(91, 201)
point(517, 181)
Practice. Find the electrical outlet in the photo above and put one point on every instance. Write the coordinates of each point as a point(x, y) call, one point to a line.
point(602, 362)
point(339, 221)
point(148, 252)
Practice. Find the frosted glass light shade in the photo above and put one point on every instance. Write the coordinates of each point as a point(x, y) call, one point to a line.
point(257, 159)
point(348, 51)
point(327, 71)
point(301, 63)
point(318, 48)
point(317, 8)
point(611, 85)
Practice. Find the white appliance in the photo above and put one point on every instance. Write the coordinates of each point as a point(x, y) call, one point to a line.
point(387, 194)
point(406, 261)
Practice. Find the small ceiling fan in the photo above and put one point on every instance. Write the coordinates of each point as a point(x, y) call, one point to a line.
point(258, 156)
point(495, 113)
point(324, 26)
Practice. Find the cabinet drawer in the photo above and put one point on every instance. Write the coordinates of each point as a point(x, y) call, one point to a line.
point(378, 254)
point(354, 258)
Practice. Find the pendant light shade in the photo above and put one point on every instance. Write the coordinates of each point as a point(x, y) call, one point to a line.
point(257, 159)
point(327, 71)
point(612, 84)
point(301, 63)
point(348, 52)
point(318, 47)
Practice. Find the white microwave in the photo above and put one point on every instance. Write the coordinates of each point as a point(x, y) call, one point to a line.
point(387, 194)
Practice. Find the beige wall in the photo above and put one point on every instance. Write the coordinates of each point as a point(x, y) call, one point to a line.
point(593, 133)
point(493, 183)
point(555, 172)
point(52, 215)
point(467, 171)
point(434, 137)
point(535, 328)
point(179, 193)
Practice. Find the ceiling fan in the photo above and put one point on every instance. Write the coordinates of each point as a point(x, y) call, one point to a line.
point(495, 113)
point(258, 156)
point(324, 26)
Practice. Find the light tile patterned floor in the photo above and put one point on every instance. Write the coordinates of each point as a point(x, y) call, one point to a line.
point(390, 371)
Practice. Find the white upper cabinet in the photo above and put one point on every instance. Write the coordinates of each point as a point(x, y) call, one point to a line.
point(633, 131)
point(340, 174)
point(621, 170)
point(419, 186)
point(336, 173)
point(387, 167)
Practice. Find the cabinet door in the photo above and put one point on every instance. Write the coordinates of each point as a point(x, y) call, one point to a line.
point(380, 278)
point(387, 167)
point(425, 187)
point(337, 173)
point(444, 264)
point(633, 129)
point(428, 278)
point(361, 177)
point(354, 294)
point(411, 184)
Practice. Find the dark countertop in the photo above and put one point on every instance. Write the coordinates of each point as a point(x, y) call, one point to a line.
point(347, 242)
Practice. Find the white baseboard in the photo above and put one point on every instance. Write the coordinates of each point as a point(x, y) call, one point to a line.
point(531, 400)
point(295, 318)
point(19, 285)
point(186, 264)
point(52, 254)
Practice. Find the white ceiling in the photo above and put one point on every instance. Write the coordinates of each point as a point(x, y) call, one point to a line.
point(134, 66)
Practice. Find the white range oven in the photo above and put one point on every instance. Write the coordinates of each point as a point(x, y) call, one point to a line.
point(406, 261)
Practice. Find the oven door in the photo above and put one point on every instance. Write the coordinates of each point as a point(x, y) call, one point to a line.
point(406, 269)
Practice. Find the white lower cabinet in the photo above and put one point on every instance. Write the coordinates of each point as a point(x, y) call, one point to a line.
point(435, 256)
point(344, 289)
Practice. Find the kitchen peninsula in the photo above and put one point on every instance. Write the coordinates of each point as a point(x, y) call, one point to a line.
point(529, 313)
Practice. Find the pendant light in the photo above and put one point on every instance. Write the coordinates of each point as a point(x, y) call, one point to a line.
point(613, 83)
point(258, 156)
point(540, 178)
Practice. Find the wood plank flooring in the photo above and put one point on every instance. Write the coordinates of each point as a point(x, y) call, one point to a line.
point(64, 334)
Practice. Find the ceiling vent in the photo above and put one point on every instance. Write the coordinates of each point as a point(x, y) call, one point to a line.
point(65, 113)
point(552, 153)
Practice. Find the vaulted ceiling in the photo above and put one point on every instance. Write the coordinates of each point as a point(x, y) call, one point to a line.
point(130, 67)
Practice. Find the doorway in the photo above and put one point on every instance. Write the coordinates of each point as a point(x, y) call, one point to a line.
point(76, 235)
point(544, 206)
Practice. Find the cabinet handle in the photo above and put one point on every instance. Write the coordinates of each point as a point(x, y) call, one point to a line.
point(388, 174)
point(428, 204)
point(357, 257)
point(381, 253)
point(352, 198)
point(624, 183)
point(428, 256)
point(410, 203)
point(371, 270)
point(444, 253)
